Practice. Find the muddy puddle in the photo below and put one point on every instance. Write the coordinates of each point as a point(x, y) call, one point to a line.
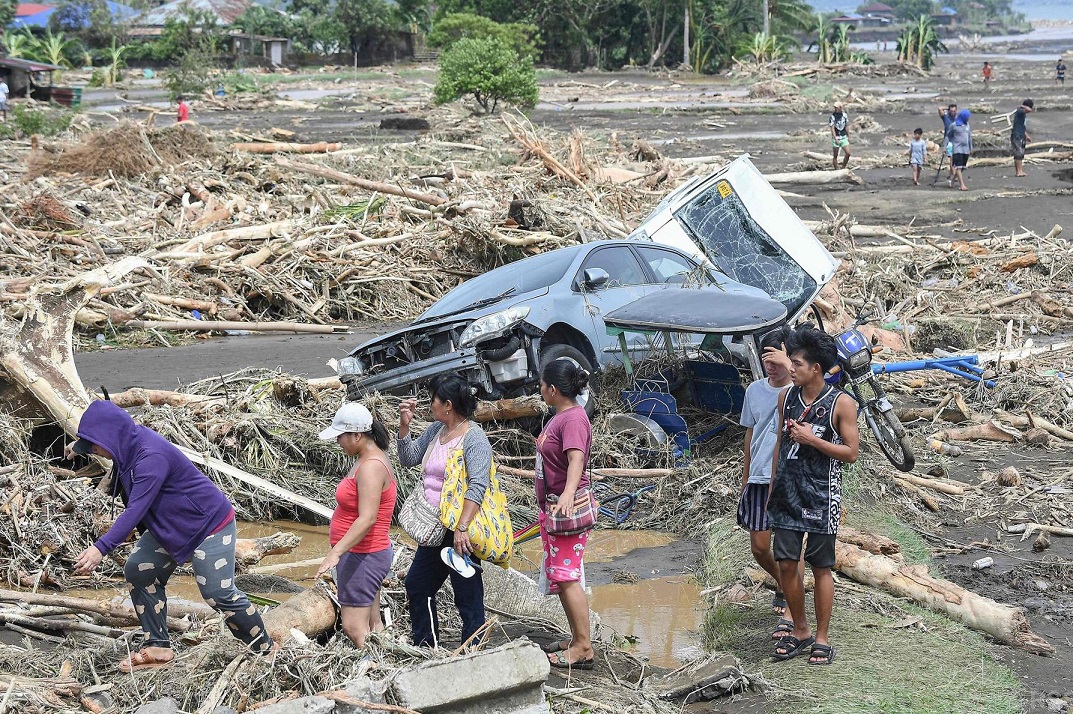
point(639, 580)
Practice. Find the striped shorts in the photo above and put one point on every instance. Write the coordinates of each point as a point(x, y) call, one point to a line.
point(752, 508)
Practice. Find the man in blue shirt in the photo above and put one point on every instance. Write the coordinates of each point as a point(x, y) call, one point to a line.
point(948, 117)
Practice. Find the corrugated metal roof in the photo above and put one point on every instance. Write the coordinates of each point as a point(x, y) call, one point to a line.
point(26, 65)
point(25, 9)
point(226, 11)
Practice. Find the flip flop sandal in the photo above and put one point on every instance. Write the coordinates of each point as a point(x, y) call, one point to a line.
point(778, 602)
point(558, 661)
point(456, 562)
point(556, 646)
point(792, 647)
point(141, 660)
point(784, 628)
point(825, 652)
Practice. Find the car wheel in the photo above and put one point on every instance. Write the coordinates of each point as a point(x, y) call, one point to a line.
point(551, 353)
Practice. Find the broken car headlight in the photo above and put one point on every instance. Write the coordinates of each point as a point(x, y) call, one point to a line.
point(490, 326)
point(351, 365)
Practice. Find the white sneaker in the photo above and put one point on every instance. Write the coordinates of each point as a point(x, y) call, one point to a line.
point(457, 562)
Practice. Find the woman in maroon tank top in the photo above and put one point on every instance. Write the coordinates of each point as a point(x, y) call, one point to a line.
point(361, 547)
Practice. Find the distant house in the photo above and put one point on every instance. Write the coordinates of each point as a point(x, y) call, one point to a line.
point(32, 15)
point(226, 12)
point(947, 17)
point(877, 9)
point(272, 49)
point(860, 21)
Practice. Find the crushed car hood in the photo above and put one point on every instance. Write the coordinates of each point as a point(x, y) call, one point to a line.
point(734, 220)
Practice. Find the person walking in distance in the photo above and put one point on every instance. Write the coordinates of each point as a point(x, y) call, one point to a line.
point(818, 433)
point(918, 153)
point(1060, 72)
point(959, 138)
point(182, 113)
point(1019, 138)
point(839, 125)
point(949, 116)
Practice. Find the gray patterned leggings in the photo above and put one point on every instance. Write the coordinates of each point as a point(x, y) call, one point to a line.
point(150, 566)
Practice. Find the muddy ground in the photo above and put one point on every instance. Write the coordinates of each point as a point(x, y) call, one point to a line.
point(684, 116)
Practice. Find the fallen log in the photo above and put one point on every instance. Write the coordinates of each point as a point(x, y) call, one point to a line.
point(287, 147)
point(815, 177)
point(988, 431)
point(597, 473)
point(333, 175)
point(1004, 623)
point(1033, 421)
point(872, 542)
point(138, 397)
point(506, 409)
point(215, 238)
point(210, 325)
point(111, 610)
point(1029, 528)
point(311, 612)
point(250, 551)
point(929, 501)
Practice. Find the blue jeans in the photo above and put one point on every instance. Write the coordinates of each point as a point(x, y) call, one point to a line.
point(427, 575)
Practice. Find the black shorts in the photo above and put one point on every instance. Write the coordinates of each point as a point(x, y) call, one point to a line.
point(819, 551)
point(960, 161)
point(1018, 143)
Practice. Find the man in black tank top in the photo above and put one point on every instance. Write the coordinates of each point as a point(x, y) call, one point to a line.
point(819, 434)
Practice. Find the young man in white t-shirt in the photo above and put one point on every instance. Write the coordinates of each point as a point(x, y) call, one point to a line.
point(759, 416)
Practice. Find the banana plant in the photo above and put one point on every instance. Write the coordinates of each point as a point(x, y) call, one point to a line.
point(18, 44)
point(114, 56)
point(52, 49)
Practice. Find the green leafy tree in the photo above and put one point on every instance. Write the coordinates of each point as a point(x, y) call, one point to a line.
point(502, 11)
point(7, 11)
point(189, 30)
point(91, 21)
point(261, 20)
point(366, 22)
point(52, 48)
point(452, 28)
point(762, 49)
point(489, 70)
point(320, 33)
point(919, 43)
point(911, 9)
point(113, 57)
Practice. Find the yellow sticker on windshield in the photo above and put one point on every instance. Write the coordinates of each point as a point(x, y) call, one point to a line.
point(724, 189)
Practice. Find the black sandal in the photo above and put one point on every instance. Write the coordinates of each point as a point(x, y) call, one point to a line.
point(784, 628)
point(778, 602)
point(792, 647)
point(559, 661)
point(826, 653)
point(555, 646)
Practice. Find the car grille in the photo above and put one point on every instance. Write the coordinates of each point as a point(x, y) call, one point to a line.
point(412, 347)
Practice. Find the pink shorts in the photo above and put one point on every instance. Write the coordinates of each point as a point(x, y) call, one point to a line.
point(562, 555)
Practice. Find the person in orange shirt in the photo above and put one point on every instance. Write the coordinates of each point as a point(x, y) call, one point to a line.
point(361, 547)
point(987, 73)
point(183, 113)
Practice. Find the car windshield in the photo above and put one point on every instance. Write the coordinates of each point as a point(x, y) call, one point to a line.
point(534, 273)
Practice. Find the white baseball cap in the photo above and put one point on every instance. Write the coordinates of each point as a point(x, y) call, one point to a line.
point(351, 418)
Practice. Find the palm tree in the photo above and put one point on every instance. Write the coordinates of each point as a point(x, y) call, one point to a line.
point(17, 44)
point(52, 49)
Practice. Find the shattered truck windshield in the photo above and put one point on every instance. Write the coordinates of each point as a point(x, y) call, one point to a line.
point(718, 220)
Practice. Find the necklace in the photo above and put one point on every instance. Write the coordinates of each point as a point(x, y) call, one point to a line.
point(444, 438)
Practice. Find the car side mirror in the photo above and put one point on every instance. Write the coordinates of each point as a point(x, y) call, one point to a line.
point(596, 278)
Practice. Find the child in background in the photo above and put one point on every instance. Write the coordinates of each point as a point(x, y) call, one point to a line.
point(183, 112)
point(987, 73)
point(918, 152)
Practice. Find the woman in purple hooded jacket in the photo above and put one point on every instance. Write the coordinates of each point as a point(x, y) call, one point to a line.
point(180, 514)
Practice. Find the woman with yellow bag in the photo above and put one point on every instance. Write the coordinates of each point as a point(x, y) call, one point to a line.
point(456, 461)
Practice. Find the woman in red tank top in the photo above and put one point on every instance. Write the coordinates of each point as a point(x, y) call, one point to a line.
point(361, 547)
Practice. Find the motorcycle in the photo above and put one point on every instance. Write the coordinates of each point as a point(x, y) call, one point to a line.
point(854, 375)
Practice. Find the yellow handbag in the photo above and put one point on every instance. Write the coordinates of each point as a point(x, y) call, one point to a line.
point(490, 533)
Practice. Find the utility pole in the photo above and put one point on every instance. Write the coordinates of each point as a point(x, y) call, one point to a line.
point(767, 18)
